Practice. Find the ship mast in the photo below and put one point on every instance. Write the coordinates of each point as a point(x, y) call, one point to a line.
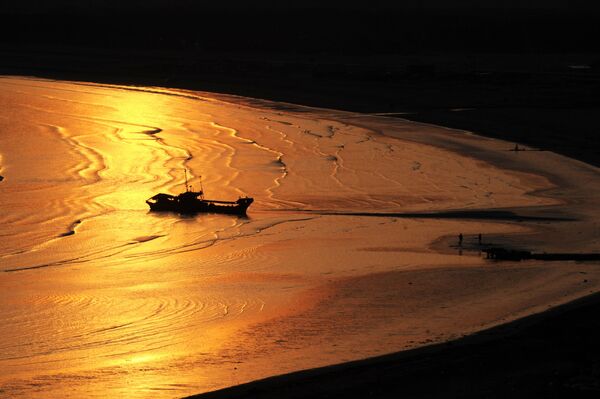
point(188, 187)
point(201, 189)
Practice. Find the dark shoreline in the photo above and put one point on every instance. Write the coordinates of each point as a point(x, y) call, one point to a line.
point(551, 354)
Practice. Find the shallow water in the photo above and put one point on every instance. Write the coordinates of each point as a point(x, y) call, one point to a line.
point(100, 297)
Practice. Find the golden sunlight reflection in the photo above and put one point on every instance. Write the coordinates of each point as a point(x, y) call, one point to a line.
point(140, 358)
point(100, 297)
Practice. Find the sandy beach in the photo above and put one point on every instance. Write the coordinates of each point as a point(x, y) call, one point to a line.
point(546, 354)
point(351, 251)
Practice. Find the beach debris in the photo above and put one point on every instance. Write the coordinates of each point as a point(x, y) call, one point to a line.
point(506, 254)
point(518, 255)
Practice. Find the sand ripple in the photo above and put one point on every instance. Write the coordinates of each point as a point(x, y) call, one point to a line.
point(105, 298)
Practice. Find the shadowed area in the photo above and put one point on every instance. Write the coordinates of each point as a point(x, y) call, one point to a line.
point(487, 214)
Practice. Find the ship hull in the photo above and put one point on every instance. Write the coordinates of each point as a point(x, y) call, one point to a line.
point(169, 203)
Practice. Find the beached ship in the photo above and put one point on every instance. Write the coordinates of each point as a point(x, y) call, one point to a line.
point(190, 202)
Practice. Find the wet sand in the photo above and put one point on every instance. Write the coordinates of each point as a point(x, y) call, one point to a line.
point(516, 357)
point(549, 355)
point(362, 269)
point(544, 355)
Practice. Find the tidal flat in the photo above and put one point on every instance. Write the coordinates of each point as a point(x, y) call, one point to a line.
point(99, 297)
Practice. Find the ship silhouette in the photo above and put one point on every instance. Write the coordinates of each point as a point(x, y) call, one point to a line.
point(190, 202)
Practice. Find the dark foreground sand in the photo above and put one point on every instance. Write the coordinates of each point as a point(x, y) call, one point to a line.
point(549, 355)
point(553, 354)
